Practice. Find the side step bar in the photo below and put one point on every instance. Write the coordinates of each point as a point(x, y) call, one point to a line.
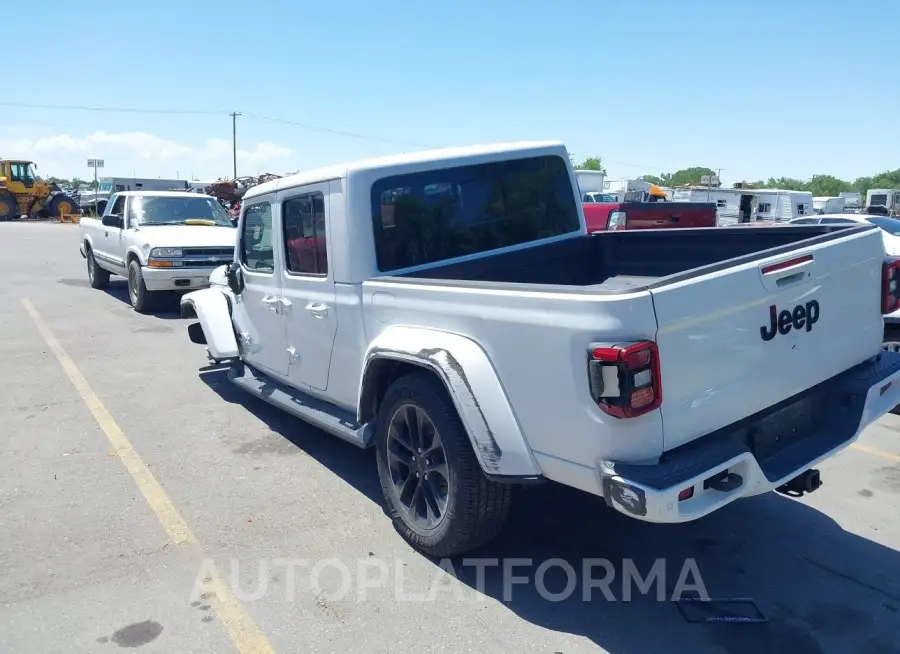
point(334, 420)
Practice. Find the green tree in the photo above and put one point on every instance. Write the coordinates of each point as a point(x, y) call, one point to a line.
point(653, 179)
point(827, 185)
point(786, 183)
point(591, 163)
point(76, 184)
point(689, 176)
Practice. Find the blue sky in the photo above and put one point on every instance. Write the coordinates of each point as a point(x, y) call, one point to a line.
point(793, 88)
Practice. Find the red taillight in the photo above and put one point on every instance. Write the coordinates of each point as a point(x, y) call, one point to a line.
point(634, 369)
point(890, 286)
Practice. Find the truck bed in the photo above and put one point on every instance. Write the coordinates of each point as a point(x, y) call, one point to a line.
point(623, 261)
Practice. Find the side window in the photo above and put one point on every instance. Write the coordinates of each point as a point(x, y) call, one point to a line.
point(304, 234)
point(764, 207)
point(801, 209)
point(19, 173)
point(806, 221)
point(118, 207)
point(721, 204)
point(256, 238)
point(837, 221)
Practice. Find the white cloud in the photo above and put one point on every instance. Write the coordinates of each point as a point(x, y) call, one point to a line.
point(141, 154)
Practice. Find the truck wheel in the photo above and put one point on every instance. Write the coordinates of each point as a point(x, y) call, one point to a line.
point(98, 277)
point(59, 205)
point(8, 208)
point(436, 493)
point(140, 297)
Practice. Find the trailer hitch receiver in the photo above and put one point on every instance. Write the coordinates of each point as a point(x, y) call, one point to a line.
point(805, 482)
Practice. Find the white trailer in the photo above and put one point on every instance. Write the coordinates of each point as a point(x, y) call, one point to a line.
point(852, 199)
point(828, 204)
point(889, 198)
point(733, 205)
point(744, 205)
point(782, 205)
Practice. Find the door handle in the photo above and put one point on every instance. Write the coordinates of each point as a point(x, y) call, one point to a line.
point(272, 302)
point(317, 310)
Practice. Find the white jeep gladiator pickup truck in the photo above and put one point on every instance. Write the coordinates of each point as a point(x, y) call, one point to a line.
point(450, 309)
point(162, 241)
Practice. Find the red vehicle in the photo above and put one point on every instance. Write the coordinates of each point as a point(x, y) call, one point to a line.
point(608, 216)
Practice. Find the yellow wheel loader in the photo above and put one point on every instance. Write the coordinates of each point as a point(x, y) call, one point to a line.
point(23, 193)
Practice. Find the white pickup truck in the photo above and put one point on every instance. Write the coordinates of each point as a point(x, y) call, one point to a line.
point(162, 241)
point(450, 309)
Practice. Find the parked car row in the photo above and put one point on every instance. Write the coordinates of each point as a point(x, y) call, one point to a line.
point(453, 310)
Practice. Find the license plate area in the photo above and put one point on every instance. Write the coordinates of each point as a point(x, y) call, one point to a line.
point(781, 429)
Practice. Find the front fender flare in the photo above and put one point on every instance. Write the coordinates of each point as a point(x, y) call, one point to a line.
point(474, 386)
point(211, 308)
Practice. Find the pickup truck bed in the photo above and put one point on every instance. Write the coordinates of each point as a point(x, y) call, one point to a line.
point(739, 316)
point(615, 262)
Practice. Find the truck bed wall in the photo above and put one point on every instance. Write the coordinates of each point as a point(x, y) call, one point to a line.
point(597, 259)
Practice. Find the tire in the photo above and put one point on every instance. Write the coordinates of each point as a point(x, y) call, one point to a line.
point(8, 208)
point(475, 508)
point(141, 299)
point(61, 204)
point(97, 276)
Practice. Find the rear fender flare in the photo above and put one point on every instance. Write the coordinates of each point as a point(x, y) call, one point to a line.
point(211, 308)
point(474, 387)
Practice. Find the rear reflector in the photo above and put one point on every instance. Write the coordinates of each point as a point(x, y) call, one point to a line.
point(686, 494)
point(781, 265)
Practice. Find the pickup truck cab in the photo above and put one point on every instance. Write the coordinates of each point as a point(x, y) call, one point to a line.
point(162, 241)
point(450, 309)
point(603, 216)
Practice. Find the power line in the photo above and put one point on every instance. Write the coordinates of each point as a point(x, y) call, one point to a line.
point(132, 110)
point(281, 121)
point(326, 130)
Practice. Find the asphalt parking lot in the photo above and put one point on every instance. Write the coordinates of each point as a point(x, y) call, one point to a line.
point(147, 504)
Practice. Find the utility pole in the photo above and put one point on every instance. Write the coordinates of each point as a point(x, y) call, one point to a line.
point(234, 115)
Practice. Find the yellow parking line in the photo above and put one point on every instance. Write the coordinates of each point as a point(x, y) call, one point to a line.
point(876, 452)
point(243, 631)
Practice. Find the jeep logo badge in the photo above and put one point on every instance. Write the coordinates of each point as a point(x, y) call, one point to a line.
point(802, 315)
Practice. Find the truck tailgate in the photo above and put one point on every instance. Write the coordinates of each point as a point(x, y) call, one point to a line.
point(722, 360)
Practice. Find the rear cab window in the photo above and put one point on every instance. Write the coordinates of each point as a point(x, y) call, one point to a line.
point(426, 217)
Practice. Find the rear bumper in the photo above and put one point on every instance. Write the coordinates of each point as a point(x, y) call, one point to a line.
point(764, 451)
point(176, 279)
